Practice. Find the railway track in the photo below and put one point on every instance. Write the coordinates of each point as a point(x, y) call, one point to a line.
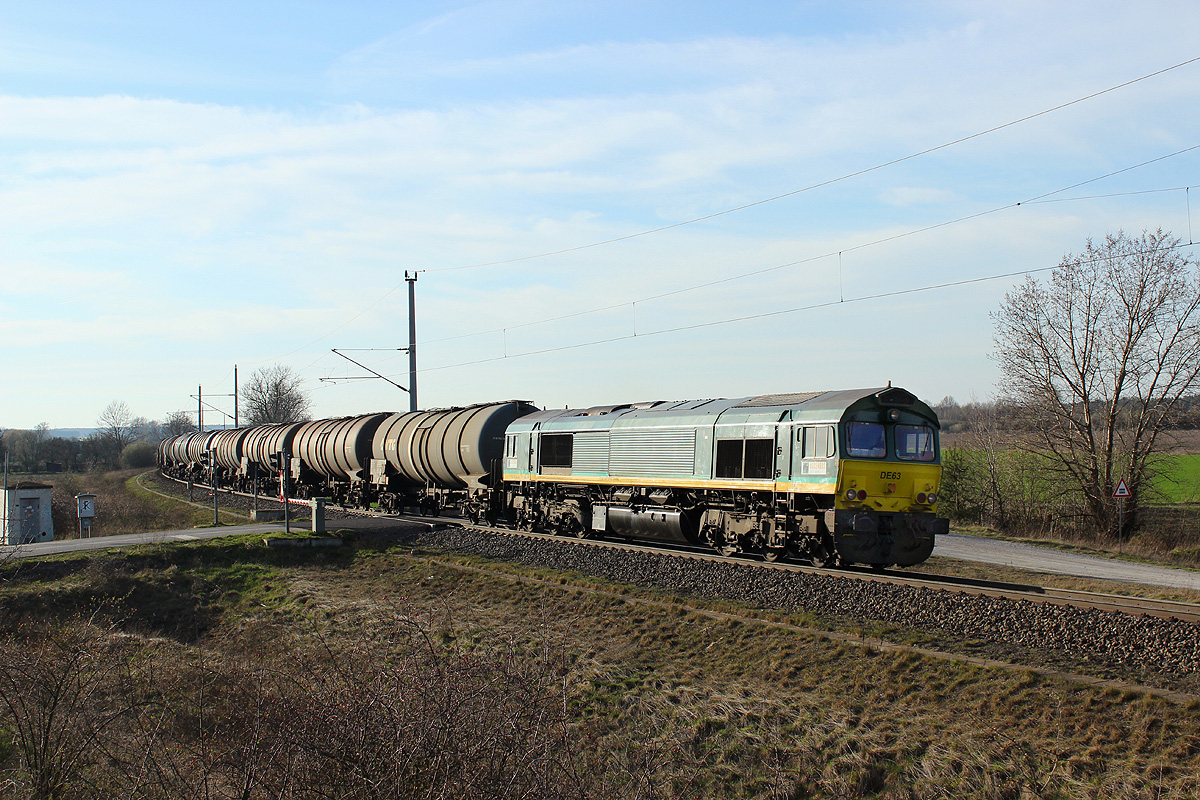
point(1124, 604)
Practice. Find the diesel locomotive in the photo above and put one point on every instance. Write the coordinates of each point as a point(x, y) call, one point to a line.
point(834, 478)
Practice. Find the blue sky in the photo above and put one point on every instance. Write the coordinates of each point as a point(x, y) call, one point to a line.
point(185, 187)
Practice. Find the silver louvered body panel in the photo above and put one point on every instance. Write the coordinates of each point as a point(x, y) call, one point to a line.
point(652, 452)
point(590, 453)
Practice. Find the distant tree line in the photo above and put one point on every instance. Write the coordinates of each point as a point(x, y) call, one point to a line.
point(121, 440)
point(125, 441)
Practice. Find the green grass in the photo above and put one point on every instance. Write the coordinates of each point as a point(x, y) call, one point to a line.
point(1178, 481)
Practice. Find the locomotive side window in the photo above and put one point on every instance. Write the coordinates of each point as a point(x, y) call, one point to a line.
point(555, 449)
point(865, 440)
point(914, 442)
point(745, 458)
point(729, 458)
point(760, 458)
point(819, 442)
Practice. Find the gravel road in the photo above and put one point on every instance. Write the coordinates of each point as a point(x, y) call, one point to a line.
point(1047, 559)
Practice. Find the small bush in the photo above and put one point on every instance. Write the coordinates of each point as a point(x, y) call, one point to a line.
point(139, 455)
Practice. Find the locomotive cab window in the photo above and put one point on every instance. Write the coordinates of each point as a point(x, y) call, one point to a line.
point(914, 443)
point(865, 440)
point(555, 449)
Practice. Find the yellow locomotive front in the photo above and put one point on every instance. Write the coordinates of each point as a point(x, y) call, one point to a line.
point(887, 483)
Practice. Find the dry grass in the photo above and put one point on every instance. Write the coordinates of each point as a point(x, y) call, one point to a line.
point(224, 669)
point(121, 505)
point(385, 674)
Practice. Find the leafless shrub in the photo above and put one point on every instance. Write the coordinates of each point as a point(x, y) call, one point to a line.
point(421, 717)
point(53, 685)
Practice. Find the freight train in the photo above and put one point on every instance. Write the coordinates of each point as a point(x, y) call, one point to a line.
point(833, 478)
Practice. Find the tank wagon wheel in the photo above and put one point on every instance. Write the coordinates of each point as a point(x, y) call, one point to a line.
point(773, 554)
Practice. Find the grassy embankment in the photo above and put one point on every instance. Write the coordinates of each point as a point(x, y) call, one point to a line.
point(381, 671)
point(123, 505)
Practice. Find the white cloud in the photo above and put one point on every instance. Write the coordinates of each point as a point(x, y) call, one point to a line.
point(213, 232)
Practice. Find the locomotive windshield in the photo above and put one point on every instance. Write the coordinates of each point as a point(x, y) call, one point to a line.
point(914, 443)
point(866, 440)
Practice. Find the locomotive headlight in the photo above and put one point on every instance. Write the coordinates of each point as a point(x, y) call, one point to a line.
point(932, 498)
point(851, 494)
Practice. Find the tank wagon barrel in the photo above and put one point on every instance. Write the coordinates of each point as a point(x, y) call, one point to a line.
point(226, 447)
point(266, 443)
point(447, 449)
point(337, 449)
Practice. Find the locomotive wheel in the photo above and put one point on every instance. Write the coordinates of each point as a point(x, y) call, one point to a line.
point(773, 554)
point(568, 525)
point(822, 557)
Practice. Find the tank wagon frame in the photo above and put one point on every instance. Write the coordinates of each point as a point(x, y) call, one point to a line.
point(831, 477)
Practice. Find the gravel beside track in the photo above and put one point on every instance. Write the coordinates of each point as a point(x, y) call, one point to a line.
point(1147, 650)
point(1155, 651)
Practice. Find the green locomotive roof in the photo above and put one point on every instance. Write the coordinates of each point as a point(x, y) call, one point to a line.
point(827, 406)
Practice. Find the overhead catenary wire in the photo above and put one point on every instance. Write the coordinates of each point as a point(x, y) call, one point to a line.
point(819, 184)
point(754, 204)
point(761, 315)
point(633, 303)
point(873, 243)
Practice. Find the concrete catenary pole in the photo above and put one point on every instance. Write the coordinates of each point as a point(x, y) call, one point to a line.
point(412, 340)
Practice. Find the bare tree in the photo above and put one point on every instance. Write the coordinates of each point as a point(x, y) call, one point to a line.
point(178, 422)
point(275, 394)
point(116, 431)
point(1100, 357)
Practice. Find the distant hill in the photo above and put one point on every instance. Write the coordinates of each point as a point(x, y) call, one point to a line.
point(71, 433)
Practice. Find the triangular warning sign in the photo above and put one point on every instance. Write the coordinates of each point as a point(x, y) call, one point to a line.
point(1122, 490)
